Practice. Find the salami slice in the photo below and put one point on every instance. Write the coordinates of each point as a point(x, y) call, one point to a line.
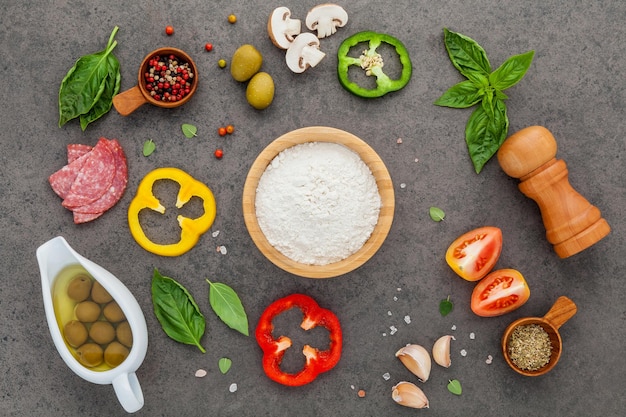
point(116, 190)
point(76, 150)
point(85, 217)
point(94, 178)
point(62, 180)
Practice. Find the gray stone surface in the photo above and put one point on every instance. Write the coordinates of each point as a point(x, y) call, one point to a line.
point(575, 87)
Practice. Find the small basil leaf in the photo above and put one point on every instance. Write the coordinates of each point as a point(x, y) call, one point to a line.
point(177, 311)
point(227, 305)
point(462, 95)
point(511, 71)
point(436, 214)
point(148, 147)
point(484, 135)
point(454, 386)
point(466, 54)
point(224, 365)
point(189, 130)
point(445, 306)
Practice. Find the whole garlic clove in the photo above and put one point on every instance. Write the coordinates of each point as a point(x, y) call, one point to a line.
point(409, 395)
point(416, 359)
point(441, 351)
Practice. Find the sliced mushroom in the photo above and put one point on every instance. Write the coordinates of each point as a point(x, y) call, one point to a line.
point(326, 18)
point(304, 52)
point(281, 28)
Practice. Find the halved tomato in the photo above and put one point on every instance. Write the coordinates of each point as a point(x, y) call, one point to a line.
point(500, 292)
point(475, 253)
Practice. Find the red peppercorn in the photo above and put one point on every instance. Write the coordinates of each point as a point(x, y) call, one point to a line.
point(218, 153)
point(221, 131)
point(230, 129)
point(169, 30)
point(208, 47)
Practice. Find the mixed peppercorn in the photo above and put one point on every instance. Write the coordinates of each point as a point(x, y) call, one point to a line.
point(168, 78)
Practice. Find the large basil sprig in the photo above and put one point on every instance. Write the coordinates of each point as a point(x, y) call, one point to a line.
point(88, 88)
point(488, 126)
point(177, 311)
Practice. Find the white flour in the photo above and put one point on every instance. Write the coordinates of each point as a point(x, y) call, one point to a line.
point(317, 203)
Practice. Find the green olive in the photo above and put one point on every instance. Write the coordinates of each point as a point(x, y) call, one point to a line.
point(115, 353)
point(102, 332)
point(99, 294)
point(246, 62)
point(260, 91)
point(75, 333)
point(113, 312)
point(124, 334)
point(90, 355)
point(87, 311)
point(79, 288)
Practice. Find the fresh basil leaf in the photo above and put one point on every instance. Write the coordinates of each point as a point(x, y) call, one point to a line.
point(177, 311)
point(445, 306)
point(466, 54)
point(488, 103)
point(189, 130)
point(454, 386)
point(484, 134)
point(227, 305)
point(436, 214)
point(224, 365)
point(460, 96)
point(111, 88)
point(511, 71)
point(148, 147)
point(83, 85)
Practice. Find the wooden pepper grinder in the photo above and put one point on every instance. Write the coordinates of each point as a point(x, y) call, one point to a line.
point(572, 223)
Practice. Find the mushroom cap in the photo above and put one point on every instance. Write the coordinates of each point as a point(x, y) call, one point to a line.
point(326, 18)
point(304, 52)
point(281, 28)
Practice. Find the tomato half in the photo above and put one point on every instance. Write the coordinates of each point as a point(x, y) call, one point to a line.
point(475, 253)
point(500, 292)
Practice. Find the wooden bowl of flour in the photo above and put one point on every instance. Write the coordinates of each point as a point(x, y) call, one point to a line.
point(382, 182)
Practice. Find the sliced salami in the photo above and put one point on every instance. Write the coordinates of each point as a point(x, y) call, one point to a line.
point(94, 178)
point(85, 217)
point(76, 150)
point(116, 190)
point(62, 180)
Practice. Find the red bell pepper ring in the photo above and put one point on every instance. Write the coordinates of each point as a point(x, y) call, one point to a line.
point(274, 349)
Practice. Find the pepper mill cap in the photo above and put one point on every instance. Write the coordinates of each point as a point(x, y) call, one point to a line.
point(526, 150)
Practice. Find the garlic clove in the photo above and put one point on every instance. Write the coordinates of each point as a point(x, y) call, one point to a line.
point(441, 351)
point(416, 359)
point(409, 395)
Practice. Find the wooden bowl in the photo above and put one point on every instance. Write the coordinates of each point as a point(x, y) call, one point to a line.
point(562, 310)
point(369, 157)
point(130, 100)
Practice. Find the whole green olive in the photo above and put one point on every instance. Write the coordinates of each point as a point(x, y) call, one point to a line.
point(246, 62)
point(115, 353)
point(260, 91)
point(102, 332)
point(75, 333)
point(90, 355)
point(87, 311)
point(99, 294)
point(79, 288)
point(124, 334)
point(113, 313)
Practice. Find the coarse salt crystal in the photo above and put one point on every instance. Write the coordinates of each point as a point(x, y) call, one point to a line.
point(384, 334)
point(472, 336)
point(463, 352)
point(453, 327)
point(394, 329)
point(395, 298)
point(223, 250)
point(233, 387)
point(216, 233)
point(402, 185)
point(389, 313)
point(489, 360)
point(386, 376)
point(200, 373)
point(398, 289)
point(407, 319)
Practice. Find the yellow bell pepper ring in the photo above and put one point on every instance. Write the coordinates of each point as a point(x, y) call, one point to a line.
point(191, 229)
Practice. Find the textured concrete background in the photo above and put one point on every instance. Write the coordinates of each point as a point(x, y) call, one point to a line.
point(575, 87)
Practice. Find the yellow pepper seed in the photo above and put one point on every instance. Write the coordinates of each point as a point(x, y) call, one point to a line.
point(232, 19)
point(222, 63)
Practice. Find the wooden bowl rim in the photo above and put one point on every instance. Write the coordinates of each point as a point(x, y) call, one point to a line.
point(371, 159)
point(144, 67)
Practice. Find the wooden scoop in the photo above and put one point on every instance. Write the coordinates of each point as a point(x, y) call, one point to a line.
point(130, 100)
point(562, 310)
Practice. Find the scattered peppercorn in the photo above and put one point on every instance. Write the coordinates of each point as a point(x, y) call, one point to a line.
point(230, 129)
point(168, 78)
point(219, 153)
point(221, 131)
point(208, 47)
point(169, 30)
point(232, 19)
point(221, 63)
point(361, 393)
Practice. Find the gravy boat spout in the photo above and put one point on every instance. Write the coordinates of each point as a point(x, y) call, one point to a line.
point(56, 256)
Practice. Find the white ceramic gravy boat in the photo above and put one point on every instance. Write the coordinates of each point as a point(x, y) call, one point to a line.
point(55, 255)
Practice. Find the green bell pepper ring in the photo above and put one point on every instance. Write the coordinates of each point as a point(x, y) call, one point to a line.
point(372, 63)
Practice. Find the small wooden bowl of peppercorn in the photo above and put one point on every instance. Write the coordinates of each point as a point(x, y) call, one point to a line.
point(167, 78)
point(532, 345)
